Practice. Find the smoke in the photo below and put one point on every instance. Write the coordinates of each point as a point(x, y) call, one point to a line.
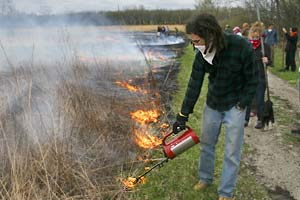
point(55, 43)
point(36, 62)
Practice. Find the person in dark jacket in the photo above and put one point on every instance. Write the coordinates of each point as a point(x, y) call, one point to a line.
point(271, 39)
point(227, 29)
point(255, 34)
point(229, 62)
point(290, 48)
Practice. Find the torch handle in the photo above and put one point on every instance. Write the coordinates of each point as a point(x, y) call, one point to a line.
point(169, 134)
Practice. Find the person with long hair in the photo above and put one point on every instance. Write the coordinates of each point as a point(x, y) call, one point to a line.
point(229, 61)
point(261, 59)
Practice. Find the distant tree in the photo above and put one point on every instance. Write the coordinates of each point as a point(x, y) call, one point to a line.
point(7, 7)
point(205, 5)
point(44, 8)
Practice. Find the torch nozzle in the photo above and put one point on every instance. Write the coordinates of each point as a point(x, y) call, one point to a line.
point(160, 164)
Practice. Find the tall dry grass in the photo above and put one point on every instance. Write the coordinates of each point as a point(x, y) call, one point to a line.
point(66, 134)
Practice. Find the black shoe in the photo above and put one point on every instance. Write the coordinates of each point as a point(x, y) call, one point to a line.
point(246, 123)
point(259, 125)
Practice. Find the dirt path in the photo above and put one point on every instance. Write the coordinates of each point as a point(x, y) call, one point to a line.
point(275, 160)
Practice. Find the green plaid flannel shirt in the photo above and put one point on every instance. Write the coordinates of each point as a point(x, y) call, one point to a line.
point(233, 77)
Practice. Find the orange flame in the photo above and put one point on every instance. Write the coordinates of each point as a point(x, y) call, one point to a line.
point(156, 55)
point(144, 117)
point(165, 125)
point(131, 182)
point(161, 57)
point(145, 140)
point(130, 87)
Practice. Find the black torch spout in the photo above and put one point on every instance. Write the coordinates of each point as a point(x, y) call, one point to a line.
point(160, 164)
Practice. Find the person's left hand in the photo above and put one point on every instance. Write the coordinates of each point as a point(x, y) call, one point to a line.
point(179, 124)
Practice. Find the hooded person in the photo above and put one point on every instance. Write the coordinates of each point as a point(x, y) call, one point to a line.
point(237, 31)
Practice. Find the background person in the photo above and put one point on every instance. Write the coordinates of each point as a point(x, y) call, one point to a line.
point(237, 31)
point(271, 38)
point(255, 34)
point(227, 29)
point(290, 48)
point(245, 29)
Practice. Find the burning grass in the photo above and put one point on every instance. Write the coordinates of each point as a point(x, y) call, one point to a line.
point(67, 139)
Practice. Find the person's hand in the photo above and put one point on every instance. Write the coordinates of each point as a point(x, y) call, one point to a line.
point(265, 60)
point(284, 30)
point(179, 124)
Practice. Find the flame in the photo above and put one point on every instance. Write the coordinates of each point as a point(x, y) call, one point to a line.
point(156, 56)
point(161, 57)
point(145, 140)
point(131, 182)
point(144, 117)
point(140, 158)
point(130, 87)
point(165, 125)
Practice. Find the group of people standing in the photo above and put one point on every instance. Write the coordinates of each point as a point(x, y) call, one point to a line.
point(270, 37)
point(256, 34)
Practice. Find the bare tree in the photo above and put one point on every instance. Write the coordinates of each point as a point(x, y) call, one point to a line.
point(7, 7)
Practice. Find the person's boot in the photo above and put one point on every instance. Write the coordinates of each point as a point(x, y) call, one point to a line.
point(296, 129)
point(259, 125)
point(200, 186)
point(226, 198)
point(293, 68)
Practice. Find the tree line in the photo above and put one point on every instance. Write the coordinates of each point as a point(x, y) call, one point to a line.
point(283, 13)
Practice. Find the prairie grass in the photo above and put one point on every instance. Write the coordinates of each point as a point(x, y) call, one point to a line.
point(66, 134)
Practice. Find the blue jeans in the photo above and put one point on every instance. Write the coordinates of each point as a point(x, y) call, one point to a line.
point(233, 121)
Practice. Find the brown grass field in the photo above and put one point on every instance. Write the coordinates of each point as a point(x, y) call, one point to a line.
point(78, 146)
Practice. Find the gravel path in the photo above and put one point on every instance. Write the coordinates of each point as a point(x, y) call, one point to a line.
point(275, 160)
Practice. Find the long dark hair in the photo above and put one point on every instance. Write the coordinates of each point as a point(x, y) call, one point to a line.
point(206, 26)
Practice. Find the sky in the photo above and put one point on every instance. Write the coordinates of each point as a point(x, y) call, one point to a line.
point(62, 6)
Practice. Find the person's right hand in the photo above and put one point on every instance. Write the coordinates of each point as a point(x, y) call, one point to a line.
point(265, 60)
point(180, 122)
point(284, 30)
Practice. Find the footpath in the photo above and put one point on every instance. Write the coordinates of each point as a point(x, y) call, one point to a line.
point(274, 155)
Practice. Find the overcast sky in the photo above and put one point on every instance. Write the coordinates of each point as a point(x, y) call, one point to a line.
point(61, 6)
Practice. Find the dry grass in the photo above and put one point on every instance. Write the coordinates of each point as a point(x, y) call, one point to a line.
point(67, 135)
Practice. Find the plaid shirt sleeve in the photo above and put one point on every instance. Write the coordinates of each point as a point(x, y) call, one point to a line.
point(194, 86)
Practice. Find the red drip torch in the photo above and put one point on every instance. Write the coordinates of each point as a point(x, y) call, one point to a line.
point(175, 147)
point(180, 144)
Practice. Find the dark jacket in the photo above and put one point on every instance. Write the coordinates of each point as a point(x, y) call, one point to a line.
point(291, 44)
point(258, 60)
point(232, 77)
